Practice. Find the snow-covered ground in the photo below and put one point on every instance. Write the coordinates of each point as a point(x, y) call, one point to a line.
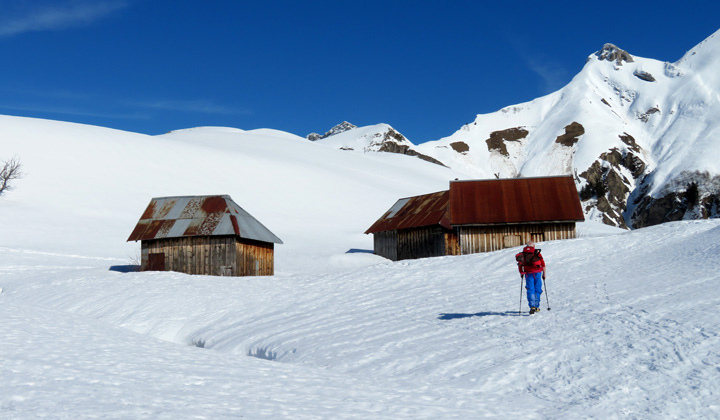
point(337, 333)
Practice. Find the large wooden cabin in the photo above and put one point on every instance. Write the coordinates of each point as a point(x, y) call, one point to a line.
point(479, 216)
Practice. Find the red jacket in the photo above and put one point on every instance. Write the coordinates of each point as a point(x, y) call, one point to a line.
point(530, 261)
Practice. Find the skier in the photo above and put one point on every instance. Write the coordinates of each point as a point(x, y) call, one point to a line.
point(531, 264)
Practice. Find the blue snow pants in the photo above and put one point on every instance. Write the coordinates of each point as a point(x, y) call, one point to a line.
point(533, 285)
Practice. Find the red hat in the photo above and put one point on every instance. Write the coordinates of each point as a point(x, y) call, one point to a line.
point(528, 249)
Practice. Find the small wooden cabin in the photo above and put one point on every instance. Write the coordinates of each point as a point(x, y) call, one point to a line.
point(209, 235)
point(479, 216)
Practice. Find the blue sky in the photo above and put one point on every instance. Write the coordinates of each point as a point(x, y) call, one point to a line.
point(424, 67)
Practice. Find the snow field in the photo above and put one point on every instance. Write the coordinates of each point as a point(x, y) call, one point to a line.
point(632, 334)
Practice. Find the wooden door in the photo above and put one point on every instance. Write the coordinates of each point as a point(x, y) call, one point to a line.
point(156, 261)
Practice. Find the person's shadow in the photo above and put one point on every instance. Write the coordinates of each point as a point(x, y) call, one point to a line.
point(446, 317)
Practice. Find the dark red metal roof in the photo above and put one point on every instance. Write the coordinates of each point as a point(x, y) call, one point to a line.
point(418, 211)
point(515, 200)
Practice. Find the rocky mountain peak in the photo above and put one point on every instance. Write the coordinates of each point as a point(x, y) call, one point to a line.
point(340, 128)
point(611, 52)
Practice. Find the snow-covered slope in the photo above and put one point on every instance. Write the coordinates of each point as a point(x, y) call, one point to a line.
point(88, 186)
point(635, 132)
point(334, 334)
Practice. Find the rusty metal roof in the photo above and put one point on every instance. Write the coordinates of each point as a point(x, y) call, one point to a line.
point(209, 215)
point(516, 200)
point(411, 212)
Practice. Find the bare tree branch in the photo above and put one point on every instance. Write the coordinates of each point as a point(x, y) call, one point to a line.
point(10, 170)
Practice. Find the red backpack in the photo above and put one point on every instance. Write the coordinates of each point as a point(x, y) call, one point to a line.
point(530, 257)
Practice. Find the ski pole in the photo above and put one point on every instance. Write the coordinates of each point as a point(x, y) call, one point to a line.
point(521, 287)
point(547, 299)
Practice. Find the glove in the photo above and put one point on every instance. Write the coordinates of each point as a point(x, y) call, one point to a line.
point(543, 276)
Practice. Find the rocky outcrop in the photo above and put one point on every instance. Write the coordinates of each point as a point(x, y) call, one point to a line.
point(573, 131)
point(497, 139)
point(652, 211)
point(610, 180)
point(617, 181)
point(643, 75)
point(393, 142)
point(645, 116)
point(630, 142)
point(692, 195)
point(380, 138)
point(610, 52)
point(340, 128)
point(460, 147)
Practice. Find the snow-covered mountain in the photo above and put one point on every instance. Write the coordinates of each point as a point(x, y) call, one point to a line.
point(340, 128)
point(372, 138)
point(641, 137)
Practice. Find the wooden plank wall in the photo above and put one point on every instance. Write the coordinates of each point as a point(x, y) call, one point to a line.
point(385, 244)
point(255, 258)
point(435, 241)
point(452, 243)
point(211, 255)
point(421, 243)
point(475, 239)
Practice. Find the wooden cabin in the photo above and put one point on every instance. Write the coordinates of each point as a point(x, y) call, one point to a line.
point(209, 235)
point(479, 216)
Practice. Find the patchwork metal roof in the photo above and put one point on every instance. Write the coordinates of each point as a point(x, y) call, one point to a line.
point(418, 211)
point(211, 215)
point(515, 200)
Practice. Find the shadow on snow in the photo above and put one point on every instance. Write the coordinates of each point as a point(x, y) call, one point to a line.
point(359, 251)
point(125, 268)
point(446, 317)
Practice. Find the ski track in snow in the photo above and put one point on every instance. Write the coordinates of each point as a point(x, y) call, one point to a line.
point(632, 334)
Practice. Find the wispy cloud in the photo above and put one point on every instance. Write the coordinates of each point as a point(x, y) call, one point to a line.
point(90, 104)
point(198, 106)
point(58, 16)
point(72, 110)
point(553, 76)
point(65, 102)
